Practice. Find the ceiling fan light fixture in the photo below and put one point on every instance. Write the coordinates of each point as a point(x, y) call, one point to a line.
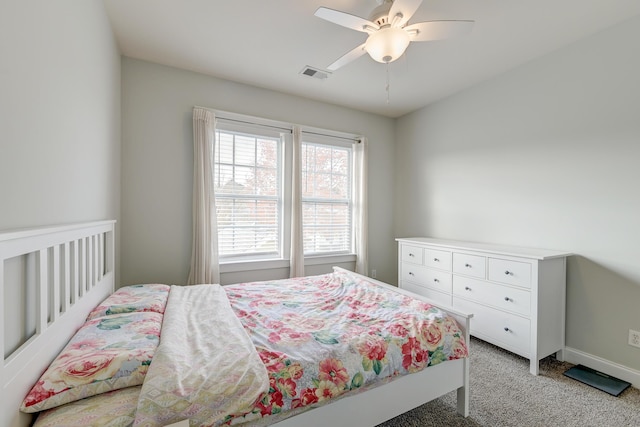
point(389, 31)
point(387, 44)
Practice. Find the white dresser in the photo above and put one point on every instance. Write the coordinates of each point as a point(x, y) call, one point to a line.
point(517, 295)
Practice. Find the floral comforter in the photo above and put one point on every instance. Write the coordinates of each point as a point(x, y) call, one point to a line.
point(322, 336)
point(260, 352)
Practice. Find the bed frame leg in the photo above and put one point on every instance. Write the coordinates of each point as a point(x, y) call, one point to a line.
point(463, 401)
point(463, 392)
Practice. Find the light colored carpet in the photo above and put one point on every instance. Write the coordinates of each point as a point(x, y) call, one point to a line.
point(503, 393)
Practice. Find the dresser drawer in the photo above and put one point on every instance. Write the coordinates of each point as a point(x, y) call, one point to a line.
point(499, 296)
point(412, 254)
point(438, 280)
point(503, 329)
point(437, 259)
point(510, 272)
point(470, 265)
point(437, 296)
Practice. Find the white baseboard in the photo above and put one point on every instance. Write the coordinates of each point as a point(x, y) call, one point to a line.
point(608, 367)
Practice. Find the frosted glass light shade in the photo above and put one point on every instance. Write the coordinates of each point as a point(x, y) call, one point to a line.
point(387, 44)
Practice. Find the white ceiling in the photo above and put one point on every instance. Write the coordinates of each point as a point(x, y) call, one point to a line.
point(267, 43)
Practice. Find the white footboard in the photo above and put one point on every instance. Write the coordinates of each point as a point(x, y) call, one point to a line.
point(50, 279)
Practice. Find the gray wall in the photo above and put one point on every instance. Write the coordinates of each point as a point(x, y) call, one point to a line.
point(543, 156)
point(60, 114)
point(59, 128)
point(157, 158)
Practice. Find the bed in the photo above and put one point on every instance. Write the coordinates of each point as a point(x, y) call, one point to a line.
point(53, 280)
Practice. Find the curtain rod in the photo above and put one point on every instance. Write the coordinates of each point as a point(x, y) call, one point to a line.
point(356, 140)
point(221, 115)
point(254, 124)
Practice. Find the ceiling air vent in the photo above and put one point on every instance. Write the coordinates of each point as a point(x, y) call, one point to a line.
point(315, 73)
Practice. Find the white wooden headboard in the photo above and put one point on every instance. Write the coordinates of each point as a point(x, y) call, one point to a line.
point(50, 279)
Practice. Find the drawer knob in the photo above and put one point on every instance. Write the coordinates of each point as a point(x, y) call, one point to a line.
point(508, 273)
point(436, 280)
point(507, 299)
point(436, 260)
point(466, 288)
point(506, 329)
point(411, 273)
point(411, 254)
point(468, 265)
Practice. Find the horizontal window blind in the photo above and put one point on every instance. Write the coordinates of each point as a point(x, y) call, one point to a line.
point(326, 198)
point(248, 193)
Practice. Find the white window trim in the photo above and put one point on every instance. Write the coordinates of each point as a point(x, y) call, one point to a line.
point(332, 141)
point(311, 134)
point(240, 266)
point(276, 132)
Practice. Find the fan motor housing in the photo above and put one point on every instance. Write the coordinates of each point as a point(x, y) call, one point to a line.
point(380, 14)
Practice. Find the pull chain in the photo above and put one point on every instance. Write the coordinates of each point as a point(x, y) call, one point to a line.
point(387, 87)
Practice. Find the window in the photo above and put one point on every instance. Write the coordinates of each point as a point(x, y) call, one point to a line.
point(326, 198)
point(248, 190)
point(253, 167)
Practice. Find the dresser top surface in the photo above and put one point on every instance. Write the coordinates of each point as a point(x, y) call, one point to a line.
point(515, 251)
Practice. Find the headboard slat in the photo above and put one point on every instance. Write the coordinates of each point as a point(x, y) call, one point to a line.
point(42, 291)
point(66, 271)
point(82, 247)
point(55, 283)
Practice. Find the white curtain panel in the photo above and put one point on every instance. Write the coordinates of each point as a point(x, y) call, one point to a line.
point(205, 267)
point(296, 259)
point(360, 211)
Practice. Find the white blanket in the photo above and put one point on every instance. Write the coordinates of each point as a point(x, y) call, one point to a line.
point(205, 368)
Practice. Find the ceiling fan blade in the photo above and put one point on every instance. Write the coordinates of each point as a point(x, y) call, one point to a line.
point(346, 20)
point(348, 57)
point(438, 30)
point(406, 8)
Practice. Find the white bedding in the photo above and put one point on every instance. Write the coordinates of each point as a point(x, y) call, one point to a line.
point(206, 368)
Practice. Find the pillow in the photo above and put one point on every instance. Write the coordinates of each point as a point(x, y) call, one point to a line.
point(133, 298)
point(112, 409)
point(107, 353)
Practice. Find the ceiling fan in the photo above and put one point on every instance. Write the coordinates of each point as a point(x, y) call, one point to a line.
point(389, 34)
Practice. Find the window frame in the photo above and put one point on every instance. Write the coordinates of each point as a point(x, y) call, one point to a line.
point(317, 139)
point(271, 132)
point(248, 124)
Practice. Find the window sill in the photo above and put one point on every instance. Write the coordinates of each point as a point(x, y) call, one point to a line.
point(329, 259)
point(232, 267)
